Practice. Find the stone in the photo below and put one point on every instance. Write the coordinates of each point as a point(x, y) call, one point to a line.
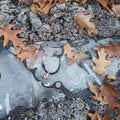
point(35, 20)
point(51, 64)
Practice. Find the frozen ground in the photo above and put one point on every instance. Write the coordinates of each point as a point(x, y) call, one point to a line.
point(34, 101)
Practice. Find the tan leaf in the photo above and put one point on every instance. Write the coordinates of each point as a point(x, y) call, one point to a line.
point(83, 21)
point(111, 49)
point(94, 89)
point(101, 62)
point(11, 35)
point(116, 9)
point(73, 56)
point(111, 78)
point(106, 4)
point(108, 95)
point(96, 116)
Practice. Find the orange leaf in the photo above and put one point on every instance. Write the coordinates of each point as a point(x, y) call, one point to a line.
point(84, 23)
point(11, 35)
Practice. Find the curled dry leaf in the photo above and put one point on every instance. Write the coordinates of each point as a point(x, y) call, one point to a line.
point(96, 116)
point(101, 62)
point(31, 53)
point(106, 94)
point(73, 56)
point(83, 21)
point(11, 35)
point(112, 50)
point(106, 4)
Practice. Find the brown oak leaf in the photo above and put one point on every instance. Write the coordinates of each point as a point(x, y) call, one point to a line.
point(73, 56)
point(11, 35)
point(106, 94)
point(43, 6)
point(101, 62)
point(83, 21)
point(106, 4)
point(96, 116)
point(111, 49)
point(32, 53)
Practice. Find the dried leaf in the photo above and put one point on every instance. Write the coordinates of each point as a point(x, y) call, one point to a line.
point(106, 4)
point(83, 21)
point(32, 53)
point(43, 6)
point(101, 62)
point(73, 56)
point(78, 1)
point(116, 9)
point(11, 35)
point(94, 89)
point(96, 116)
point(111, 49)
point(108, 95)
point(111, 78)
point(29, 2)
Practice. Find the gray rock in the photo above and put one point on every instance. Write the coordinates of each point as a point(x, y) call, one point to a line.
point(51, 64)
point(35, 20)
point(113, 67)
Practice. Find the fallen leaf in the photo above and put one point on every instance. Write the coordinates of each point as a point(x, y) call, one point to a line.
point(111, 78)
point(94, 89)
point(112, 50)
point(106, 95)
point(101, 62)
point(72, 56)
point(78, 1)
point(43, 6)
point(32, 53)
point(11, 35)
point(96, 116)
point(29, 2)
point(106, 4)
point(116, 9)
point(83, 21)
